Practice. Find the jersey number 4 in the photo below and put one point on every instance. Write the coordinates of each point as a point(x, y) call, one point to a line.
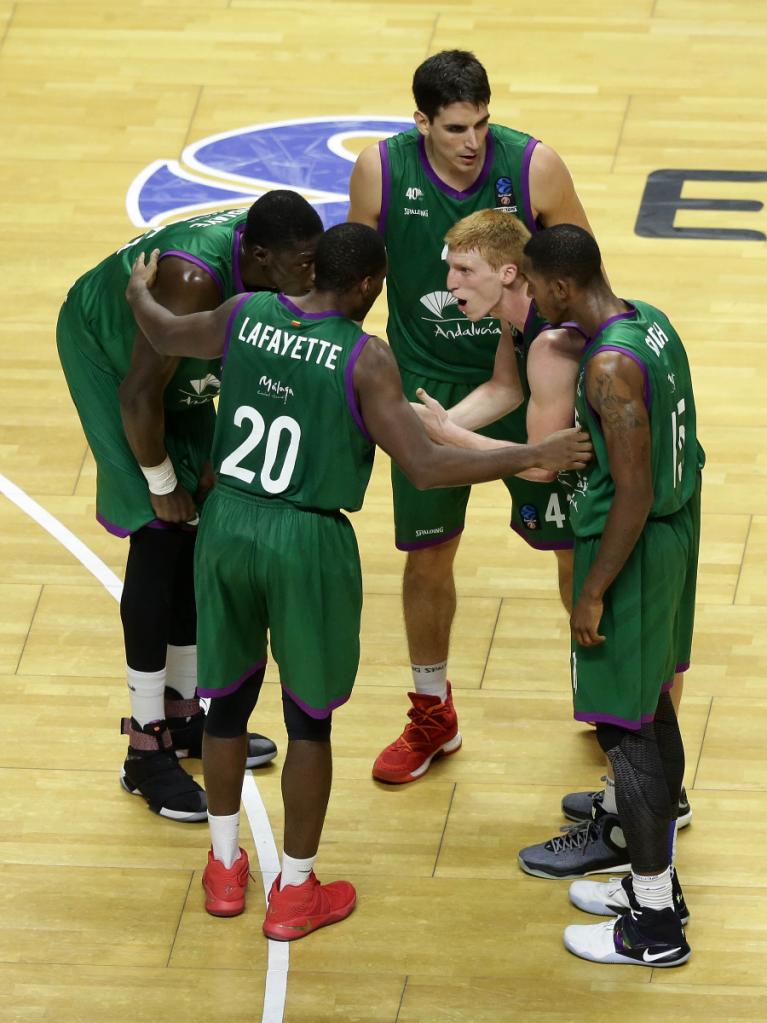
point(281, 425)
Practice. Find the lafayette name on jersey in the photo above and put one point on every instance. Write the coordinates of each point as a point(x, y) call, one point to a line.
point(645, 335)
point(210, 242)
point(288, 424)
point(427, 332)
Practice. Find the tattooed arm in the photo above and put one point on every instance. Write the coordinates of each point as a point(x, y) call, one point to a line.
point(615, 390)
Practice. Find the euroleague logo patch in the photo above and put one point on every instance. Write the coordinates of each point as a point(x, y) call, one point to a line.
point(312, 155)
point(529, 515)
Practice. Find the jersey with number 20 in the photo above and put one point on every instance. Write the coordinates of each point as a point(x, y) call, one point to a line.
point(288, 424)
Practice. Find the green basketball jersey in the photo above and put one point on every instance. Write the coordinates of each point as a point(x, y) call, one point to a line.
point(211, 242)
point(426, 330)
point(645, 335)
point(288, 422)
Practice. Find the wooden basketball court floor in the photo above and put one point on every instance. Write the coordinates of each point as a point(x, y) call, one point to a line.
point(101, 907)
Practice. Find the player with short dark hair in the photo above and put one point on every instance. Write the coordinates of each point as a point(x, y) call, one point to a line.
point(306, 394)
point(635, 513)
point(450, 76)
point(413, 188)
point(149, 422)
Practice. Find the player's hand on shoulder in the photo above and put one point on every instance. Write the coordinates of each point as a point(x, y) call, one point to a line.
point(143, 274)
point(178, 506)
point(565, 449)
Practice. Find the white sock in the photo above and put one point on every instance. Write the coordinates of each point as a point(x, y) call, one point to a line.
point(294, 871)
point(430, 679)
point(608, 803)
point(225, 837)
point(653, 891)
point(147, 695)
point(181, 665)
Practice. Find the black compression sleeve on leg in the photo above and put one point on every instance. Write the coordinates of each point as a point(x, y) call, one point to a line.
point(641, 792)
point(183, 615)
point(147, 597)
point(671, 749)
point(300, 725)
point(228, 715)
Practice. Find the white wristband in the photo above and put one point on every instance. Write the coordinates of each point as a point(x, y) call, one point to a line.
point(161, 478)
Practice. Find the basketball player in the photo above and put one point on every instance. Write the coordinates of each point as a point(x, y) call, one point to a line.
point(149, 422)
point(306, 395)
point(485, 251)
point(636, 519)
point(413, 188)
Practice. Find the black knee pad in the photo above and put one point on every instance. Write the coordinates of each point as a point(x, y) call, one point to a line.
point(228, 715)
point(300, 725)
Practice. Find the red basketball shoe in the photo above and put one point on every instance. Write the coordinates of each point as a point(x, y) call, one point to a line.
point(298, 910)
point(225, 887)
point(431, 732)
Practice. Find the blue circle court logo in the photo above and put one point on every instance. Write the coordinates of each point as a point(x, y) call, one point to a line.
point(312, 155)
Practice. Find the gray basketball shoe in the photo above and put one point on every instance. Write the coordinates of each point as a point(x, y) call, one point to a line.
point(595, 846)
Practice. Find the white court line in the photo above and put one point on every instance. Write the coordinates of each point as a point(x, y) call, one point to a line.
point(276, 983)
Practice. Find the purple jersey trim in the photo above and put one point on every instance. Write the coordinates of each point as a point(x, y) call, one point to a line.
point(293, 308)
point(197, 262)
point(318, 715)
point(383, 149)
point(614, 319)
point(572, 325)
point(228, 333)
point(236, 250)
point(430, 542)
point(611, 719)
point(542, 545)
point(351, 397)
point(112, 528)
point(635, 358)
point(525, 175)
point(202, 691)
point(437, 181)
point(122, 532)
point(681, 668)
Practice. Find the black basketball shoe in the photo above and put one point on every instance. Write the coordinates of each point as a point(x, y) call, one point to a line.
point(186, 721)
point(152, 770)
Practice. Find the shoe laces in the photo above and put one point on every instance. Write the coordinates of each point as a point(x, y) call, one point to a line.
point(422, 726)
point(574, 836)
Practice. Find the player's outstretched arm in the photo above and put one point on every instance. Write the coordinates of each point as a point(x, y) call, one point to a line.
point(200, 334)
point(615, 390)
point(393, 425)
point(496, 397)
point(183, 288)
point(366, 188)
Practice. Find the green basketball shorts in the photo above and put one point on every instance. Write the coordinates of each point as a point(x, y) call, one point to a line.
point(649, 613)
point(122, 495)
point(424, 518)
point(263, 566)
